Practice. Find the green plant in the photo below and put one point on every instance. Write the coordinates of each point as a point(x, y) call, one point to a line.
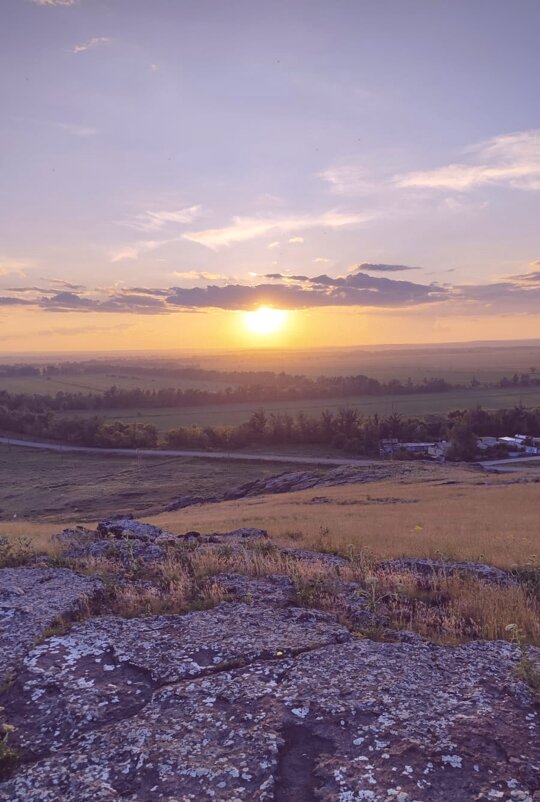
point(8, 756)
point(374, 595)
point(527, 669)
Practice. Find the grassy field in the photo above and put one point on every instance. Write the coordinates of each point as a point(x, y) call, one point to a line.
point(445, 512)
point(97, 383)
point(68, 488)
point(489, 521)
point(456, 363)
point(166, 419)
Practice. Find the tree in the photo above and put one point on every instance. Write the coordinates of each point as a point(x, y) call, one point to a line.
point(462, 443)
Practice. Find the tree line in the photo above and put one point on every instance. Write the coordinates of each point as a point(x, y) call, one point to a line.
point(284, 388)
point(346, 430)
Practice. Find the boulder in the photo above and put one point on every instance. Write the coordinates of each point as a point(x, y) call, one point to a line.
point(133, 530)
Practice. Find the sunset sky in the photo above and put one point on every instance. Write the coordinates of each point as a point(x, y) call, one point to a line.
point(168, 165)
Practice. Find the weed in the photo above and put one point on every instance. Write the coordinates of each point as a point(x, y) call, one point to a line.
point(374, 595)
point(8, 756)
point(527, 670)
point(58, 628)
point(17, 550)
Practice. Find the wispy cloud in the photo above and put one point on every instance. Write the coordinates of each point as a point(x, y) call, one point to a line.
point(95, 41)
point(155, 221)
point(66, 332)
point(66, 285)
point(127, 252)
point(375, 268)
point(54, 2)
point(15, 267)
point(273, 245)
point(296, 240)
point(244, 229)
point(71, 128)
point(196, 275)
point(512, 160)
point(77, 130)
point(347, 179)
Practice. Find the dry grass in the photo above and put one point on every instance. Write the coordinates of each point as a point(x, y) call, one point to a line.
point(497, 524)
point(460, 607)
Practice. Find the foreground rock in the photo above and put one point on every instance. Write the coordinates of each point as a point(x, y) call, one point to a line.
point(249, 703)
point(31, 600)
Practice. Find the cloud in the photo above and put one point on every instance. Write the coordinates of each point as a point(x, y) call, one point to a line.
point(9, 301)
point(66, 285)
point(296, 240)
point(517, 294)
point(363, 291)
point(54, 2)
point(155, 221)
point(196, 275)
point(15, 267)
point(527, 280)
point(91, 44)
point(135, 250)
point(512, 160)
point(346, 179)
point(76, 130)
point(64, 332)
point(145, 302)
point(273, 245)
point(243, 229)
point(322, 260)
point(371, 268)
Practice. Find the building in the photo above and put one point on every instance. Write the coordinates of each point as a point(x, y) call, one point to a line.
point(433, 450)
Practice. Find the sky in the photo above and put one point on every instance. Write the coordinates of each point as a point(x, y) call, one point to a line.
point(373, 166)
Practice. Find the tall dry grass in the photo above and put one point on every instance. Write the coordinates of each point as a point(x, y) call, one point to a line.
point(497, 524)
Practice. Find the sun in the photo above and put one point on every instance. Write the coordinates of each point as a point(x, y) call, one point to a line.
point(265, 320)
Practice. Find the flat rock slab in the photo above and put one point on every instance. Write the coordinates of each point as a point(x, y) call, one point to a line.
point(433, 568)
point(107, 668)
point(249, 704)
point(31, 599)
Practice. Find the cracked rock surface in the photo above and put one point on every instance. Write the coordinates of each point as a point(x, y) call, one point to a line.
point(31, 600)
point(251, 703)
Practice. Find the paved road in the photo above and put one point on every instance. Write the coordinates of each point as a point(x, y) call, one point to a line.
point(151, 452)
point(511, 464)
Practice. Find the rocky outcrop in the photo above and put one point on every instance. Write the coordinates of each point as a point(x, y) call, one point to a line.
point(292, 481)
point(260, 699)
point(31, 601)
point(251, 703)
point(128, 540)
point(429, 568)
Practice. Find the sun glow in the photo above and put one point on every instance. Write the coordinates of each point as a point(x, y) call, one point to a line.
point(265, 320)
